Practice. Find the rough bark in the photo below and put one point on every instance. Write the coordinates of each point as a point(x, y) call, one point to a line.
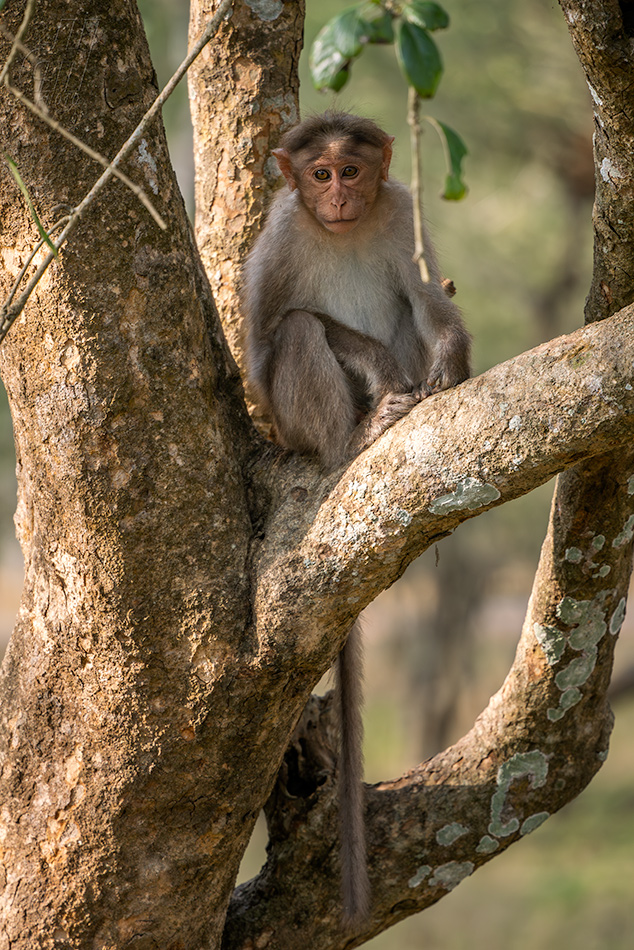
point(244, 94)
point(133, 518)
point(186, 586)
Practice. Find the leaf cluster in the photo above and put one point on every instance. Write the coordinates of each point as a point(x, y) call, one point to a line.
point(409, 26)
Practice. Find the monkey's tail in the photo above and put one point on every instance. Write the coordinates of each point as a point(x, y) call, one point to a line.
point(355, 885)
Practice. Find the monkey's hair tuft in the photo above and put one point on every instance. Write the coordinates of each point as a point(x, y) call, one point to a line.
point(320, 129)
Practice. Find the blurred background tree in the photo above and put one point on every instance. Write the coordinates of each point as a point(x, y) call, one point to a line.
point(440, 642)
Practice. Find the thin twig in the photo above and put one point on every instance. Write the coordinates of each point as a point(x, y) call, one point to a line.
point(28, 13)
point(8, 314)
point(101, 159)
point(27, 263)
point(417, 185)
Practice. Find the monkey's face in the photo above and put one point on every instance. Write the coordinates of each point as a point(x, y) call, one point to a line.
point(338, 182)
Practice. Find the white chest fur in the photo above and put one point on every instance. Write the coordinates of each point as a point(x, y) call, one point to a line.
point(351, 284)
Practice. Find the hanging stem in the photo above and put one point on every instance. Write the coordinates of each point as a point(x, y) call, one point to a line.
point(413, 118)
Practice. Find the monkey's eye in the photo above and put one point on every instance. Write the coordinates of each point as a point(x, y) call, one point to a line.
point(349, 171)
point(322, 175)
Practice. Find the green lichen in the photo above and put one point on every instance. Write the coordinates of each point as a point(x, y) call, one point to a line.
point(451, 874)
point(616, 621)
point(551, 640)
point(266, 9)
point(589, 618)
point(598, 542)
point(451, 833)
point(533, 822)
point(567, 700)
point(470, 494)
point(420, 876)
point(572, 611)
point(533, 765)
point(403, 516)
point(626, 534)
point(630, 485)
point(574, 555)
point(487, 845)
point(578, 671)
point(603, 571)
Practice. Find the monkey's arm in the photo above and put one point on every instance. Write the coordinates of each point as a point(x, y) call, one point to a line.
point(267, 275)
point(437, 322)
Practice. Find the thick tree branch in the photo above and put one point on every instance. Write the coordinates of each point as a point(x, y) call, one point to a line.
point(538, 743)
point(602, 36)
point(239, 122)
point(329, 549)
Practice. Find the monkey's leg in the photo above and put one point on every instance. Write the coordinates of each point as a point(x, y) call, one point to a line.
point(355, 886)
point(389, 389)
point(309, 393)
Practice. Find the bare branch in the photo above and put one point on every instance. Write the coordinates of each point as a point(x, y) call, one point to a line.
point(413, 118)
point(39, 108)
point(24, 25)
point(9, 313)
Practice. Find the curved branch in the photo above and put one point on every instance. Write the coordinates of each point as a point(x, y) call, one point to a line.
point(545, 733)
point(527, 755)
point(459, 453)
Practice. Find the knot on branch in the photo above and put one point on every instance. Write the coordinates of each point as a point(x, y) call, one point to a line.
point(309, 765)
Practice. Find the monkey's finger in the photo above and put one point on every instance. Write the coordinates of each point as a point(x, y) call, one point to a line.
point(422, 390)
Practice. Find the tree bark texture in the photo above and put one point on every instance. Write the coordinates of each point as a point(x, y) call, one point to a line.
point(244, 94)
point(133, 518)
point(186, 585)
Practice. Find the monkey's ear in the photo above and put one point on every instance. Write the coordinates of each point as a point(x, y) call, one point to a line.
point(283, 157)
point(387, 156)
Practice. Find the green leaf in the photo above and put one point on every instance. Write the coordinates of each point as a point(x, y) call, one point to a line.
point(429, 16)
point(349, 30)
point(455, 151)
point(455, 188)
point(339, 80)
point(419, 58)
point(13, 168)
point(343, 38)
point(380, 28)
point(326, 61)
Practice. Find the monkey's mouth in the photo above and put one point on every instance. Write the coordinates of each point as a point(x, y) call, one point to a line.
point(341, 225)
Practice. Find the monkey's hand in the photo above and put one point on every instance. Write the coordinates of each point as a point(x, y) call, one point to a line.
point(446, 373)
point(450, 364)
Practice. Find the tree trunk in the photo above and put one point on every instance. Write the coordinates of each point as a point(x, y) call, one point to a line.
point(244, 94)
point(134, 522)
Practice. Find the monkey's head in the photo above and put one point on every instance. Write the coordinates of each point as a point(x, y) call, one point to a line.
point(337, 163)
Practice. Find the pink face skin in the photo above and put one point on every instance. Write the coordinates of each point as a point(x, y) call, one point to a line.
point(340, 183)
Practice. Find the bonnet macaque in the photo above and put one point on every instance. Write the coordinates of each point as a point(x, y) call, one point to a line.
point(342, 339)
